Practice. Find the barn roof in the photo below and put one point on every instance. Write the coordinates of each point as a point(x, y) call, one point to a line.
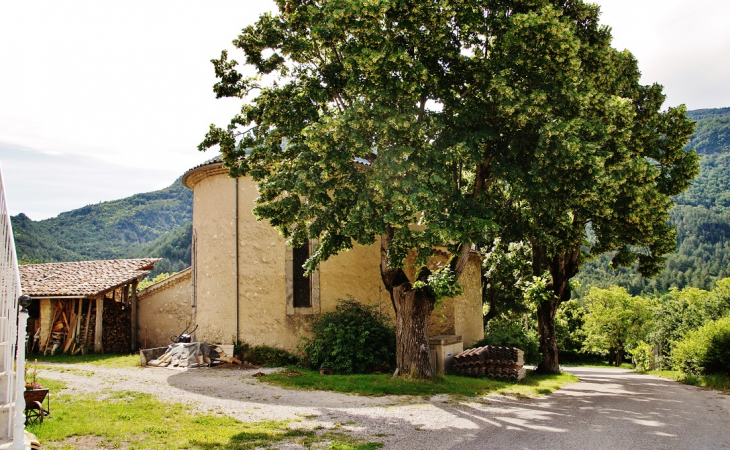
point(81, 278)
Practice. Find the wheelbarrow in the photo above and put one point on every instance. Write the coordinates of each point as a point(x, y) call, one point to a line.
point(34, 410)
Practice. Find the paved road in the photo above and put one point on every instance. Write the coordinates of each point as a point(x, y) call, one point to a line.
point(608, 409)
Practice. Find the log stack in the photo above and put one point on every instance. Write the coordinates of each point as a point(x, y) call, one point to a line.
point(117, 323)
point(491, 361)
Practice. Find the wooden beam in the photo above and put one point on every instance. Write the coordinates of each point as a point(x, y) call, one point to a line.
point(88, 320)
point(99, 324)
point(134, 314)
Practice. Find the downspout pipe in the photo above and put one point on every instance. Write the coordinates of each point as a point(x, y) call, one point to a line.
point(237, 277)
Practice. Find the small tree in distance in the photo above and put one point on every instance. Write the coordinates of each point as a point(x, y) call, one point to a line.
point(464, 117)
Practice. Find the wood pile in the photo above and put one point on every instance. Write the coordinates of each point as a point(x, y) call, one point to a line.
point(71, 328)
point(491, 361)
point(117, 325)
point(193, 354)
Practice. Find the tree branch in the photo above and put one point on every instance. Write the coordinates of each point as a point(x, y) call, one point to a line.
point(391, 276)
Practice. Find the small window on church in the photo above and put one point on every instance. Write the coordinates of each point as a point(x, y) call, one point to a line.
point(302, 293)
point(302, 284)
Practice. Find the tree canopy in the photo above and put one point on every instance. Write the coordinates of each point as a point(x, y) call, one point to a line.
point(366, 118)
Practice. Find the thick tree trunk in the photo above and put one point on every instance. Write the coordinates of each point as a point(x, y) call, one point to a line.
point(548, 344)
point(562, 267)
point(414, 309)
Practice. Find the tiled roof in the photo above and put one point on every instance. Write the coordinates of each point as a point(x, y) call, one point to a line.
point(81, 278)
point(217, 162)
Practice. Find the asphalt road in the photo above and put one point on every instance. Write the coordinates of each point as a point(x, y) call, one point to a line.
point(607, 409)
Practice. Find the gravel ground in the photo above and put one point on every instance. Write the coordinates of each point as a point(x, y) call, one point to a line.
point(607, 409)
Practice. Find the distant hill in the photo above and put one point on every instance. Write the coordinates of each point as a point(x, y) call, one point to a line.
point(712, 135)
point(152, 224)
point(702, 218)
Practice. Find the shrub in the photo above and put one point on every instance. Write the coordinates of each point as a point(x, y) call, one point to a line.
point(266, 356)
point(510, 332)
point(643, 356)
point(704, 350)
point(354, 338)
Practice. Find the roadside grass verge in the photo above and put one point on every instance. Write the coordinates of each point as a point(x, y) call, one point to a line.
point(108, 361)
point(719, 382)
point(600, 364)
point(383, 384)
point(136, 421)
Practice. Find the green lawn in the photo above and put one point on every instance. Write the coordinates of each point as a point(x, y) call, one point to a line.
point(132, 420)
point(718, 382)
point(383, 384)
point(111, 361)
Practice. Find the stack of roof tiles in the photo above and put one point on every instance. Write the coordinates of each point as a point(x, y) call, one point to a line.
point(491, 361)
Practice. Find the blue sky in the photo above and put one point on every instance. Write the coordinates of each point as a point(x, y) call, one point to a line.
point(102, 100)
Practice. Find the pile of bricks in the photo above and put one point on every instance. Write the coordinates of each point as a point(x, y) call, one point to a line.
point(491, 361)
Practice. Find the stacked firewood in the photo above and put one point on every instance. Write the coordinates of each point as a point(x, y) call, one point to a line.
point(117, 326)
point(71, 328)
point(491, 361)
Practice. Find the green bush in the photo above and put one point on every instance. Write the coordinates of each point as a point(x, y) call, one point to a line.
point(643, 356)
point(505, 331)
point(352, 339)
point(266, 356)
point(705, 350)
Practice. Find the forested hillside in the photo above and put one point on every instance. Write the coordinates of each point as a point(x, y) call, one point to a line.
point(153, 224)
point(702, 218)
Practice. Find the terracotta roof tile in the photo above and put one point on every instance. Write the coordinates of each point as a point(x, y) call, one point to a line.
point(81, 278)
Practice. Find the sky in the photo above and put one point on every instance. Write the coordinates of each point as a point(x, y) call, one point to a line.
point(102, 100)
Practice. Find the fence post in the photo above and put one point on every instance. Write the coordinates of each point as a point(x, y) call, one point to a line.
point(19, 426)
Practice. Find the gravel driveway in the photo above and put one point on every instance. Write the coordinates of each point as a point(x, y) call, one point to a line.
point(607, 409)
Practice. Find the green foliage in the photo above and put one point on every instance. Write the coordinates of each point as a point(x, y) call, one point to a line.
point(537, 290)
point(441, 283)
point(615, 321)
point(704, 350)
point(701, 217)
point(677, 313)
point(643, 357)
point(135, 226)
point(569, 331)
point(510, 331)
point(712, 134)
point(266, 356)
point(149, 281)
point(355, 338)
point(507, 268)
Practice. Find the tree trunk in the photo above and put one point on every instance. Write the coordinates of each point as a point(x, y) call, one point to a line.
point(619, 355)
point(414, 309)
point(546, 330)
point(562, 267)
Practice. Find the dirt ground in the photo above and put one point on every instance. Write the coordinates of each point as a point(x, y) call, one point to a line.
point(607, 409)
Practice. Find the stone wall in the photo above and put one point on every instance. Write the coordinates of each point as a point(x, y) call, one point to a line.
point(163, 309)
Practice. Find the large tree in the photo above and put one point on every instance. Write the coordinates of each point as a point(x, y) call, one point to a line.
point(421, 123)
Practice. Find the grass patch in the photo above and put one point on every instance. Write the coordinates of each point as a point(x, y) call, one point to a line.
point(599, 364)
point(78, 372)
point(109, 361)
point(719, 382)
point(52, 385)
point(132, 420)
point(384, 384)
